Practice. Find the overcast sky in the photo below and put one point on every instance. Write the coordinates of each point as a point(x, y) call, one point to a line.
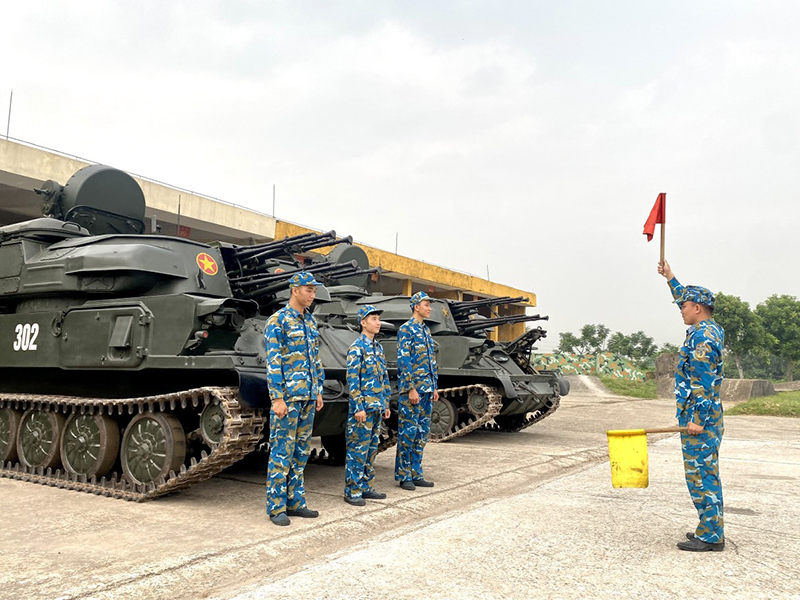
point(530, 137)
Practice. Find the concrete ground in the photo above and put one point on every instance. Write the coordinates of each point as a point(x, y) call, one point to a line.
point(523, 515)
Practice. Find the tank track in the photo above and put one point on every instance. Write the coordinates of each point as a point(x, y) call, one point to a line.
point(531, 419)
point(494, 404)
point(241, 434)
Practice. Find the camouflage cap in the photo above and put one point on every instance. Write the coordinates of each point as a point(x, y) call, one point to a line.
point(697, 294)
point(303, 278)
point(418, 297)
point(366, 311)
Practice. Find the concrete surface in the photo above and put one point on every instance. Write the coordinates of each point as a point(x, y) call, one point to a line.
point(587, 385)
point(523, 515)
point(739, 390)
point(731, 390)
point(787, 386)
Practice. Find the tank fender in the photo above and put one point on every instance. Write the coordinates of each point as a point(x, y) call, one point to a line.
point(508, 387)
point(248, 307)
point(253, 390)
point(563, 385)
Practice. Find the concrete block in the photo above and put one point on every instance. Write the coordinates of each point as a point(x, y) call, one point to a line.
point(734, 390)
point(665, 386)
point(666, 364)
point(787, 386)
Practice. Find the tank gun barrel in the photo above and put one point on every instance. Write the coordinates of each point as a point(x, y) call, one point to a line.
point(463, 307)
point(326, 272)
point(282, 248)
point(274, 282)
point(279, 246)
point(251, 259)
point(323, 243)
point(470, 326)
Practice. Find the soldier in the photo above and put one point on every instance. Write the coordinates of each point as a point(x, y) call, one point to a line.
point(369, 401)
point(416, 380)
point(294, 375)
point(697, 381)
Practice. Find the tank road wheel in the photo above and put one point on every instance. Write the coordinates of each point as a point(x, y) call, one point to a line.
point(478, 403)
point(38, 438)
point(443, 417)
point(90, 444)
point(153, 445)
point(9, 423)
point(212, 424)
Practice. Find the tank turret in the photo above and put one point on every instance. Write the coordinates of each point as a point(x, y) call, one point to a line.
point(100, 199)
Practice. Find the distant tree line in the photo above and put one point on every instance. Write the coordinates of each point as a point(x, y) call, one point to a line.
point(638, 347)
point(760, 343)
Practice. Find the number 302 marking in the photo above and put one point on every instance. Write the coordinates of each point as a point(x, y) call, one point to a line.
point(26, 337)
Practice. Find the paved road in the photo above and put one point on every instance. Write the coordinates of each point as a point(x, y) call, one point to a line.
point(521, 515)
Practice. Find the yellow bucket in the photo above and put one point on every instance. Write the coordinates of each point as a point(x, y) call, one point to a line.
point(627, 452)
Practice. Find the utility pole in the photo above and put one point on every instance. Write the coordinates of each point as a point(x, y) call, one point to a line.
point(8, 122)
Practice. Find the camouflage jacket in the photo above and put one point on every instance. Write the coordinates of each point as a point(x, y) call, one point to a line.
point(294, 370)
point(416, 358)
point(367, 377)
point(698, 375)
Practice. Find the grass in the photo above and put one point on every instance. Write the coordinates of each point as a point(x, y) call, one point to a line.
point(784, 404)
point(632, 389)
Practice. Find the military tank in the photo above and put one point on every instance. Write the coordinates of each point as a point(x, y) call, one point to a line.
point(132, 365)
point(483, 384)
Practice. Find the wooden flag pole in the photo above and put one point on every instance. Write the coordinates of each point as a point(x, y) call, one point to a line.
point(663, 226)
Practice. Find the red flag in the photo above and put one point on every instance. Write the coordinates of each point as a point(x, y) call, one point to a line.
point(657, 215)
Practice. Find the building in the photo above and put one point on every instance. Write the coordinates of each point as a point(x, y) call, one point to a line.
point(177, 212)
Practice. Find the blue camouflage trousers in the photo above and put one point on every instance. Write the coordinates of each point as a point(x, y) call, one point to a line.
point(701, 466)
point(414, 425)
point(288, 454)
point(362, 448)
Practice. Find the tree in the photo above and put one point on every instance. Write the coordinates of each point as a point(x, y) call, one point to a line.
point(744, 330)
point(668, 348)
point(568, 342)
point(781, 318)
point(638, 347)
point(593, 339)
point(758, 366)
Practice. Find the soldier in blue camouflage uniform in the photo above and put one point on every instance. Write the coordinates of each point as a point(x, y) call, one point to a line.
point(697, 381)
point(416, 380)
point(368, 382)
point(294, 376)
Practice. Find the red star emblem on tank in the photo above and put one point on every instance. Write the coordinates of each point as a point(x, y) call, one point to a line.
point(207, 264)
